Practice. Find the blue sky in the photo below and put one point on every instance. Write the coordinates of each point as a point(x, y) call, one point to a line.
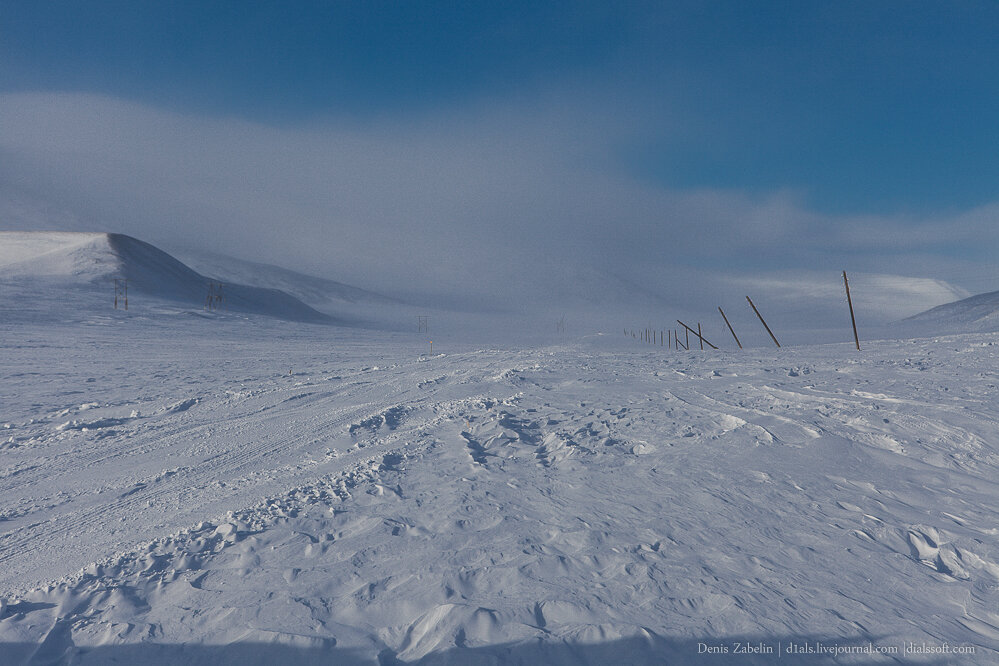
point(761, 134)
point(862, 106)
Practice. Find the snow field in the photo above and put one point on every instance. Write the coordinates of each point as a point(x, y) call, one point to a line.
point(585, 503)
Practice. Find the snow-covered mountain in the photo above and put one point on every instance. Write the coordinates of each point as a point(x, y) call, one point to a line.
point(90, 261)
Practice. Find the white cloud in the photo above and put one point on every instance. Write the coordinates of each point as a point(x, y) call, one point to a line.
point(514, 200)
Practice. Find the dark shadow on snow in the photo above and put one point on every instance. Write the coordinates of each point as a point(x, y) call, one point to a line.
point(631, 651)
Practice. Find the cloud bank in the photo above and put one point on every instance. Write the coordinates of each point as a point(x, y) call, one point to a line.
point(521, 202)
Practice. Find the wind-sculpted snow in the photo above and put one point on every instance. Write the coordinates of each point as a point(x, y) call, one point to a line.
point(313, 498)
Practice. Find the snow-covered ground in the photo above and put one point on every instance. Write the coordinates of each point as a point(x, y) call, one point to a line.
point(224, 489)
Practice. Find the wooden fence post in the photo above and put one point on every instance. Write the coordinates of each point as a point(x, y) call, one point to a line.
point(731, 330)
point(853, 320)
point(772, 336)
point(690, 330)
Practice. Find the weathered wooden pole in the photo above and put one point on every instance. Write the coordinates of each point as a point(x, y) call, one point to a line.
point(853, 320)
point(699, 335)
point(731, 330)
point(690, 330)
point(772, 336)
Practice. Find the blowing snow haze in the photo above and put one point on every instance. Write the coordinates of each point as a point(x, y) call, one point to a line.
point(606, 160)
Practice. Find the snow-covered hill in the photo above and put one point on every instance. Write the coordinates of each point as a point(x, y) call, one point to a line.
point(88, 262)
point(84, 257)
point(975, 314)
point(323, 294)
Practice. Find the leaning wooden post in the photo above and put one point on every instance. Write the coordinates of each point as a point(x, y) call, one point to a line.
point(853, 320)
point(731, 330)
point(690, 330)
point(772, 336)
point(699, 335)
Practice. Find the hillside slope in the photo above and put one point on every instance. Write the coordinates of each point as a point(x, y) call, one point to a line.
point(89, 262)
point(321, 293)
point(975, 314)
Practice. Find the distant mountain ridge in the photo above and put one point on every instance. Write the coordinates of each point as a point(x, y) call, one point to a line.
point(81, 259)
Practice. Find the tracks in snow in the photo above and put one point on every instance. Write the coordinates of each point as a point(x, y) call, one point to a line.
point(509, 498)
